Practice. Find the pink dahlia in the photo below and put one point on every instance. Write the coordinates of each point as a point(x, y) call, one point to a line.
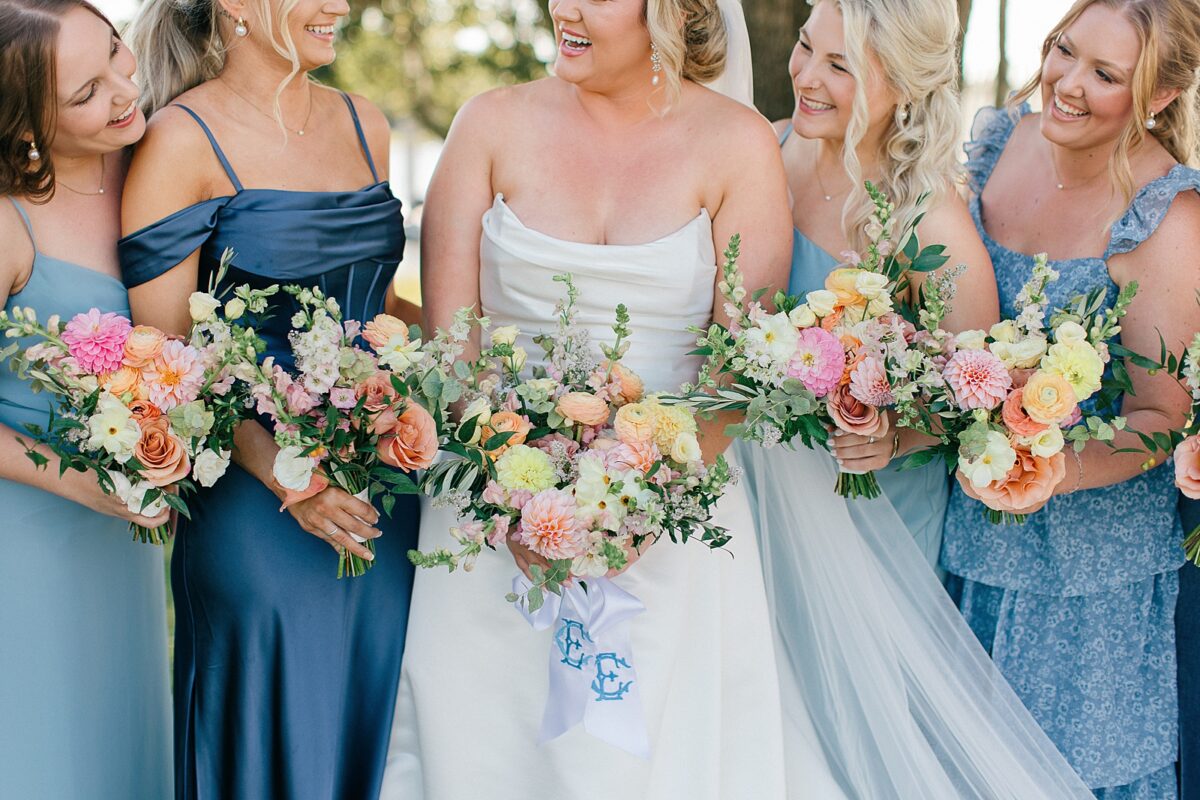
point(549, 527)
point(97, 341)
point(818, 361)
point(978, 378)
point(869, 383)
point(176, 376)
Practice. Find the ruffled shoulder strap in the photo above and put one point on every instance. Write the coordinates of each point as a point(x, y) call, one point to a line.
point(1148, 209)
point(160, 247)
point(989, 134)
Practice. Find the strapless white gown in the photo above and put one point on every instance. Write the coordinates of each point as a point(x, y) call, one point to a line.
point(474, 681)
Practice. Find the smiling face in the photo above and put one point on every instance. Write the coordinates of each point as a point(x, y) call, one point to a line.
point(825, 84)
point(97, 108)
point(601, 45)
point(311, 24)
point(1087, 99)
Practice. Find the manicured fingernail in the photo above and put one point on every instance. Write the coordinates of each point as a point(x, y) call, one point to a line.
point(369, 556)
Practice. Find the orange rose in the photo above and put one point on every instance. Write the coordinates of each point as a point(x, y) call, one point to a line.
point(379, 331)
point(378, 390)
point(143, 346)
point(125, 380)
point(161, 452)
point(412, 442)
point(144, 410)
point(583, 407)
point(854, 356)
point(506, 422)
point(1187, 467)
point(1015, 418)
point(853, 416)
point(628, 385)
point(1030, 482)
point(1048, 398)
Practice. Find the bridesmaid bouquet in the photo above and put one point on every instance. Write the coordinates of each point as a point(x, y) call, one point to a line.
point(834, 358)
point(575, 462)
point(152, 415)
point(1006, 402)
point(348, 414)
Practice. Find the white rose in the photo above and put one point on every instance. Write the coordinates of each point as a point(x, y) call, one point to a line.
point(1004, 331)
point(121, 485)
point(879, 305)
point(481, 411)
point(202, 305)
point(1024, 354)
point(505, 335)
point(686, 448)
point(802, 316)
point(210, 466)
point(1070, 333)
point(292, 469)
point(821, 301)
point(870, 284)
point(235, 308)
point(518, 358)
point(137, 499)
point(1046, 443)
point(971, 340)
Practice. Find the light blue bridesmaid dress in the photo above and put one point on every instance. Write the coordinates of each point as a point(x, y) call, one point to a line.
point(1077, 605)
point(84, 704)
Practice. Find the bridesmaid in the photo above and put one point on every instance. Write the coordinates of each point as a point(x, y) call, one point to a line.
point(1077, 606)
point(877, 99)
point(285, 678)
point(83, 701)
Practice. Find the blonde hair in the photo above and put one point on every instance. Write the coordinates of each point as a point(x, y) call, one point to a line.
point(178, 46)
point(1169, 33)
point(693, 50)
point(916, 44)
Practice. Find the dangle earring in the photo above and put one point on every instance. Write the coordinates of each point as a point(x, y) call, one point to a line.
point(240, 28)
point(34, 153)
point(655, 63)
point(1151, 122)
point(901, 115)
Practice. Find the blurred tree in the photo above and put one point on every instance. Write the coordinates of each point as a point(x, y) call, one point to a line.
point(773, 25)
point(1002, 87)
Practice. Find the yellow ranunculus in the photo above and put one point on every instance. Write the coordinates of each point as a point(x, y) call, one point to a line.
point(1079, 363)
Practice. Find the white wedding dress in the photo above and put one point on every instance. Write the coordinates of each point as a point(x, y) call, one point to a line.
point(474, 682)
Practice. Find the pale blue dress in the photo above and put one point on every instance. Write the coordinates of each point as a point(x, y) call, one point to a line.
point(1077, 605)
point(84, 699)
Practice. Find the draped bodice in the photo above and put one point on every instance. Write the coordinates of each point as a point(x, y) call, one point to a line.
point(666, 284)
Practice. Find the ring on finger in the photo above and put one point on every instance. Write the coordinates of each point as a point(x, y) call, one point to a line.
point(336, 530)
point(870, 440)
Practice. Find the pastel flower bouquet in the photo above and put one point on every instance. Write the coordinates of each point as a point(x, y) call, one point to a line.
point(1006, 402)
point(152, 415)
point(348, 415)
point(831, 359)
point(575, 462)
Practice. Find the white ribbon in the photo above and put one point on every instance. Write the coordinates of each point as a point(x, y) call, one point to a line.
point(592, 676)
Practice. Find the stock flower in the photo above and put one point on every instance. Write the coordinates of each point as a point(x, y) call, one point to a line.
point(1016, 419)
point(992, 463)
point(1030, 481)
point(379, 332)
point(869, 383)
point(548, 525)
point(113, 429)
point(525, 467)
point(582, 407)
point(818, 361)
point(1187, 467)
point(343, 398)
point(1048, 398)
point(97, 341)
point(175, 376)
point(202, 305)
point(635, 422)
point(978, 379)
point(412, 442)
point(1079, 363)
point(854, 416)
point(143, 346)
point(210, 466)
point(162, 454)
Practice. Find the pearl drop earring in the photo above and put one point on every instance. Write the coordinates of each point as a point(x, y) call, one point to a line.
point(1151, 122)
point(240, 28)
point(655, 63)
point(34, 153)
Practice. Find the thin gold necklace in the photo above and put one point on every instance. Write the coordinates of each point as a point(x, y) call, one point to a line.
point(85, 194)
point(251, 103)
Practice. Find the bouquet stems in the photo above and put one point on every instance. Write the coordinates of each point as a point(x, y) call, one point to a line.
point(851, 486)
point(158, 535)
point(1003, 517)
point(349, 564)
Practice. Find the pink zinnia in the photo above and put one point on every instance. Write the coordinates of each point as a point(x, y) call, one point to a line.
point(549, 527)
point(97, 341)
point(818, 361)
point(978, 378)
point(869, 383)
point(175, 377)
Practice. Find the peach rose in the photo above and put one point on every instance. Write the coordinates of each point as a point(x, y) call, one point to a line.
point(1030, 482)
point(144, 410)
point(161, 453)
point(1047, 398)
point(506, 422)
point(379, 331)
point(854, 356)
point(1187, 467)
point(629, 387)
point(1015, 418)
point(412, 441)
point(143, 346)
point(125, 380)
point(378, 390)
point(583, 407)
point(853, 416)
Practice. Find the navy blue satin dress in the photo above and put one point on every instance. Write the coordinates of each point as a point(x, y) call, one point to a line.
point(285, 677)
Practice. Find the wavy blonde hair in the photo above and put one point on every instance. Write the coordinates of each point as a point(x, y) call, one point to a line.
point(1169, 33)
point(691, 39)
point(179, 46)
point(915, 42)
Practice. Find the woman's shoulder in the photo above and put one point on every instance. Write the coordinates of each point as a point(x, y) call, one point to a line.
point(506, 104)
point(16, 260)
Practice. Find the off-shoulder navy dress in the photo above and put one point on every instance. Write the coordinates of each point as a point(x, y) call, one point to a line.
point(285, 677)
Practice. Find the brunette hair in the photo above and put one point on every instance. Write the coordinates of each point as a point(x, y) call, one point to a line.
point(29, 92)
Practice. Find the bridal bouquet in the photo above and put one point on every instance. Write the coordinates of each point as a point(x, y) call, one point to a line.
point(831, 359)
point(575, 462)
point(152, 415)
point(1006, 402)
point(348, 415)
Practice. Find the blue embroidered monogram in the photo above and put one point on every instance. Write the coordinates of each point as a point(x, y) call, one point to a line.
point(602, 686)
point(570, 638)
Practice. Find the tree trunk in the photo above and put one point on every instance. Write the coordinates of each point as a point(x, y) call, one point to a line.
point(964, 19)
point(1002, 87)
point(773, 25)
